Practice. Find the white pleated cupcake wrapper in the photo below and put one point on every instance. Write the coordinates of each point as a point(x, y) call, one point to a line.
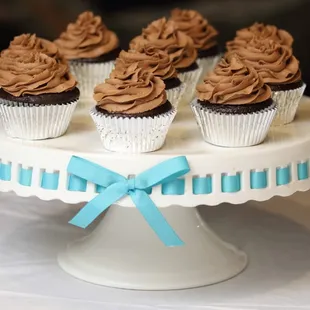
point(36, 122)
point(133, 135)
point(207, 64)
point(89, 75)
point(175, 95)
point(190, 79)
point(233, 130)
point(287, 102)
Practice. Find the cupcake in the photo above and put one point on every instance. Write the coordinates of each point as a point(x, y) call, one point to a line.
point(26, 43)
point(164, 35)
point(157, 62)
point(37, 97)
point(132, 114)
point(278, 68)
point(203, 35)
point(234, 106)
point(91, 49)
point(259, 31)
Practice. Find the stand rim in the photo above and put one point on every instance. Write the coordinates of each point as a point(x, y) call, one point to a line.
point(283, 160)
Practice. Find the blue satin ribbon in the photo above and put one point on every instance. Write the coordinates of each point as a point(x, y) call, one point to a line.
point(116, 187)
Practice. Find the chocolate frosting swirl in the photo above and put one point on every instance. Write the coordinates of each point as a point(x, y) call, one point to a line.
point(233, 82)
point(149, 59)
point(275, 63)
point(34, 73)
point(26, 43)
point(88, 37)
point(131, 90)
point(164, 35)
point(194, 25)
point(260, 31)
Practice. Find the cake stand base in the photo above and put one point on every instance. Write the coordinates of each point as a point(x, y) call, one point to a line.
point(123, 252)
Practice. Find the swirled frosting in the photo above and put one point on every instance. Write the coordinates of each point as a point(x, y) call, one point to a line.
point(233, 82)
point(164, 35)
point(260, 32)
point(149, 59)
point(132, 90)
point(34, 73)
point(88, 37)
point(194, 25)
point(26, 43)
point(275, 63)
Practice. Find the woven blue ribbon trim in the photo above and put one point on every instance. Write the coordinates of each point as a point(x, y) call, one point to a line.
point(116, 187)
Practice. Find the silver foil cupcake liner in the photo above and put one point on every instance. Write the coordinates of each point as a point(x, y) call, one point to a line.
point(175, 95)
point(207, 64)
point(36, 122)
point(89, 75)
point(233, 130)
point(190, 79)
point(132, 134)
point(287, 102)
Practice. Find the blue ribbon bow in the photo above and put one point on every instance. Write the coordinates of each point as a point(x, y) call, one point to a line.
point(116, 187)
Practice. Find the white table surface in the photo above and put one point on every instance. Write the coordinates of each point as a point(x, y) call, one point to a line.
point(275, 234)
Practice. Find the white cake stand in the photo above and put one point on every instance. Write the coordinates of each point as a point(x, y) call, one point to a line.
point(123, 251)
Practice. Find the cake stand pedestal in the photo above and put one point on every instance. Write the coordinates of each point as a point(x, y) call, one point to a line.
point(123, 251)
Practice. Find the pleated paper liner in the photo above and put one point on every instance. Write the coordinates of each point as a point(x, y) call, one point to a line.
point(233, 130)
point(89, 75)
point(35, 122)
point(190, 78)
point(287, 103)
point(133, 134)
point(175, 94)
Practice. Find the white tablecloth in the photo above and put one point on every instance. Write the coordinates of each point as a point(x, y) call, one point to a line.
point(274, 235)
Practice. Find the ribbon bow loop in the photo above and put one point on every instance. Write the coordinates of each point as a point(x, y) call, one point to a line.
point(164, 172)
point(116, 187)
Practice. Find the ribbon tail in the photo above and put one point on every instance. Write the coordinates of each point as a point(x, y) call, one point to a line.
point(99, 204)
point(155, 219)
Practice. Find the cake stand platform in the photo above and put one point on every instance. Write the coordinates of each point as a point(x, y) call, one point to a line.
point(122, 251)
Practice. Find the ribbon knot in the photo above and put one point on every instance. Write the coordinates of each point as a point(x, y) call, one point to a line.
point(117, 186)
point(131, 183)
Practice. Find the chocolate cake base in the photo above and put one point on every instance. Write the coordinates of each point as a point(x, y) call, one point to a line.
point(164, 108)
point(103, 58)
point(236, 109)
point(172, 83)
point(40, 100)
point(192, 67)
point(283, 87)
point(211, 52)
